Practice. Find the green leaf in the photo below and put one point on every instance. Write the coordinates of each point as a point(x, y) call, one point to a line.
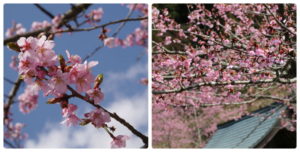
point(14, 46)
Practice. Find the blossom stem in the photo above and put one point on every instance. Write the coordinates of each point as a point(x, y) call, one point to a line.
point(113, 115)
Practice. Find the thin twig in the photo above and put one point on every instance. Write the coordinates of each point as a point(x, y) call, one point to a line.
point(68, 16)
point(44, 11)
point(11, 96)
point(9, 144)
point(117, 31)
point(113, 115)
point(8, 80)
point(103, 25)
point(278, 22)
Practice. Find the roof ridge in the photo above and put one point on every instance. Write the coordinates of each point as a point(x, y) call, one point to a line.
point(261, 110)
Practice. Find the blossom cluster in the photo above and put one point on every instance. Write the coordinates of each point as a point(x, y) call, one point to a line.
point(138, 37)
point(198, 64)
point(95, 15)
point(17, 28)
point(38, 66)
point(14, 131)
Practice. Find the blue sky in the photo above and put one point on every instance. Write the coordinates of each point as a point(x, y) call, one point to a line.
point(122, 71)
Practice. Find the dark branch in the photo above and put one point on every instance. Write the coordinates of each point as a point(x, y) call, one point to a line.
point(195, 86)
point(44, 10)
point(68, 16)
point(104, 25)
point(11, 96)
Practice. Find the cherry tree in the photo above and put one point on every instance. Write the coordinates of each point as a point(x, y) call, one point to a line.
point(61, 77)
point(218, 62)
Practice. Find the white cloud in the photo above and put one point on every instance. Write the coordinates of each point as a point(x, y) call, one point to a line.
point(113, 80)
point(133, 109)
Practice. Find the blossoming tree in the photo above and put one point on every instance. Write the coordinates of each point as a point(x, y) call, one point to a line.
point(217, 62)
point(61, 77)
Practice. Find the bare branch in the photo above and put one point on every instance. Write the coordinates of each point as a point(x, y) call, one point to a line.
point(44, 10)
point(103, 25)
point(11, 96)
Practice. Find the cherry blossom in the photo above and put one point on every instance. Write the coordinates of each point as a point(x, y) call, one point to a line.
point(110, 42)
point(71, 120)
point(216, 63)
point(39, 25)
point(98, 117)
point(62, 79)
point(58, 83)
point(73, 58)
point(119, 141)
point(29, 99)
point(81, 75)
point(96, 95)
point(95, 15)
point(16, 29)
point(14, 62)
point(15, 131)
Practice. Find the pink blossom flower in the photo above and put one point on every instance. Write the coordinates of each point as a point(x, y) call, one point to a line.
point(66, 112)
point(58, 83)
point(98, 117)
point(71, 120)
point(14, 62)
point(16, 29)
point(56, 20)
point(69, 114)
point(129, 41)
point(260, 52)
point(15, 131)
point(95, 15)
point(27, 44)
point(27, 62)
point(46, 55)
point(39, 25)
point(168, 40)
point(73, 58)
point(96, 95)
point(110, 42)
point(29, 99)
point(43, 85)
point(119, 141)
point(82, 76)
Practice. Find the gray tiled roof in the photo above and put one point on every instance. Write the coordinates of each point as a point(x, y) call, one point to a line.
point(248, 131)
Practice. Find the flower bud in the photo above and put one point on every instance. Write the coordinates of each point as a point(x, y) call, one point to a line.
point(98, 80)
point(54, 100)
point(85, 122)
point(62, 62)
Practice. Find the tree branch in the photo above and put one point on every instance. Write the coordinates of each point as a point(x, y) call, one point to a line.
point(44, 10)
point(278, 22)
point(214, 83)
point(68, 16)
point(9, 144)
point(11, 96)
point(113, 115)
point(103, 25)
